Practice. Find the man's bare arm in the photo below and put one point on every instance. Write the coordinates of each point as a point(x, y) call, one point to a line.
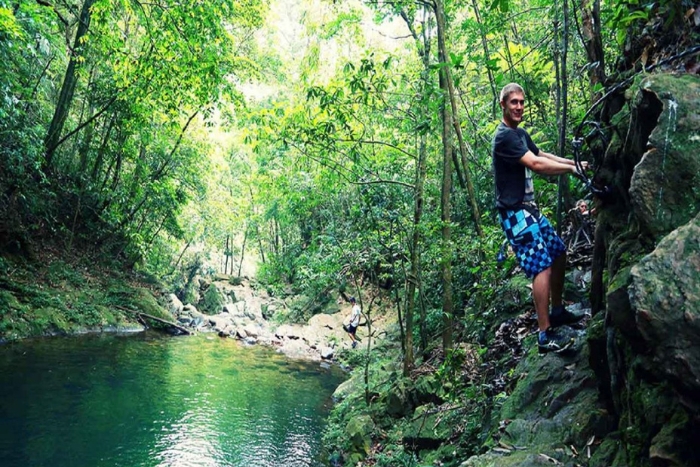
point(555, 158)
point(545, 165)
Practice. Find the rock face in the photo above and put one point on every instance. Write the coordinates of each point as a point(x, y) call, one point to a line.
point(665, 186)
point(665, 296)
point(647, 357)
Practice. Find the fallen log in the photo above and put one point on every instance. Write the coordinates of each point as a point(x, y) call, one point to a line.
point(155, 318)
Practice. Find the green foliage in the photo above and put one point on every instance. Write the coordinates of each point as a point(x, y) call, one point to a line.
point(450, 372)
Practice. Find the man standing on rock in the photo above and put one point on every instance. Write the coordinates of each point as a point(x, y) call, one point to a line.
point(539, 250)
point(353, 321)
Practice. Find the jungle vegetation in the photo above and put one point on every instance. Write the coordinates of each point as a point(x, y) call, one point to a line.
point(337, 143)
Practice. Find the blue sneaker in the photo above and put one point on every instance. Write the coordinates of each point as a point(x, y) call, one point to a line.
point(553, 341)
point(354, 344)
point(560, 316)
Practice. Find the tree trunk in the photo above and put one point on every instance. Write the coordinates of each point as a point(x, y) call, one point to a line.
point(99, 159)
point(421, 170)
point(179, 258)
point(70, 80)
point(590, 30)
point(451, 96)
point(487, 56)
point(563, 195)
point(240, 264)
point(445, 201)
point(227, 253)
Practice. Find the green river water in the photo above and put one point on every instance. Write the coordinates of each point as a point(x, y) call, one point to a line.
point(151, 400)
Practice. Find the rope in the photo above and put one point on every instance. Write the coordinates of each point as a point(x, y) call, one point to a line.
point(577, 145)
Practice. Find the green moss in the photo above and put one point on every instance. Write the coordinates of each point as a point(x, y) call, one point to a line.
point(61, 274)
point(60, 298)
point(621, 280)
point(605, 453)
point(213, 300)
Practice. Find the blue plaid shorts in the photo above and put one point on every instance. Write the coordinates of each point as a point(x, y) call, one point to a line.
point(534, 241)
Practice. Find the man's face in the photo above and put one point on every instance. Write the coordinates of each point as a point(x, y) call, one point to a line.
point(513, 107)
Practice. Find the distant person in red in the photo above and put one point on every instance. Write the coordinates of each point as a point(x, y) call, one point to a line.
point(539, 250)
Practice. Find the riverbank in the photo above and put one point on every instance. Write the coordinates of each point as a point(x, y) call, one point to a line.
point(73, 296)
point(64, 294)
point(249, 313)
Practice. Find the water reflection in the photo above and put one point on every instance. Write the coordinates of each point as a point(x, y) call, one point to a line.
point(153, 401)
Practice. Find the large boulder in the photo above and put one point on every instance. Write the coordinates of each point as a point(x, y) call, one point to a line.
point(213, 300)
point(664, 187)
point(665, 296)
point(174, 304)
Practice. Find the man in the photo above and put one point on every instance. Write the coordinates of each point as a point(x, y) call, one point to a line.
point(353, 321)
point(540, 252)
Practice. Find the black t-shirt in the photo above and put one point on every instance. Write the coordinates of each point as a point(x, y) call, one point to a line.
point(513, 180)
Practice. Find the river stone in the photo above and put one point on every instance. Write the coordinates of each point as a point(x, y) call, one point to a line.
point(184, 320)
point(287, 331)
point(252, 330)
point(665, 294)
point(327, 353)
point(237, 310)
point(219, 322)
point(295, 349)
point(174, 304)
point(190, 309)
point(665, 186)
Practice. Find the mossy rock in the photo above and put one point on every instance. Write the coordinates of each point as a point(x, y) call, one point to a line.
point(425, 390)
point(395, 400)
point(428, 429)
point(516, 458)
point(556, 402)
point(213, 300)
point(606, 452)
point(348, 387)
point(359, 431)
point(665, 187)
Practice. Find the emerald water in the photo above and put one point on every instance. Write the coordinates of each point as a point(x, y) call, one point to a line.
point(151, 400)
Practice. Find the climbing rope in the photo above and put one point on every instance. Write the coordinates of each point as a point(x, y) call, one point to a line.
point(577, 145)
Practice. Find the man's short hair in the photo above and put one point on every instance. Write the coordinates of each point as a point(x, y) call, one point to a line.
point(510, 88)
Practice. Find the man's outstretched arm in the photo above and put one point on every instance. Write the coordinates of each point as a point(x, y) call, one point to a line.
point(548, 164)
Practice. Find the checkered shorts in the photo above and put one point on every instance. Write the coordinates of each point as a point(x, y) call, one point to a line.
point(534, 241)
